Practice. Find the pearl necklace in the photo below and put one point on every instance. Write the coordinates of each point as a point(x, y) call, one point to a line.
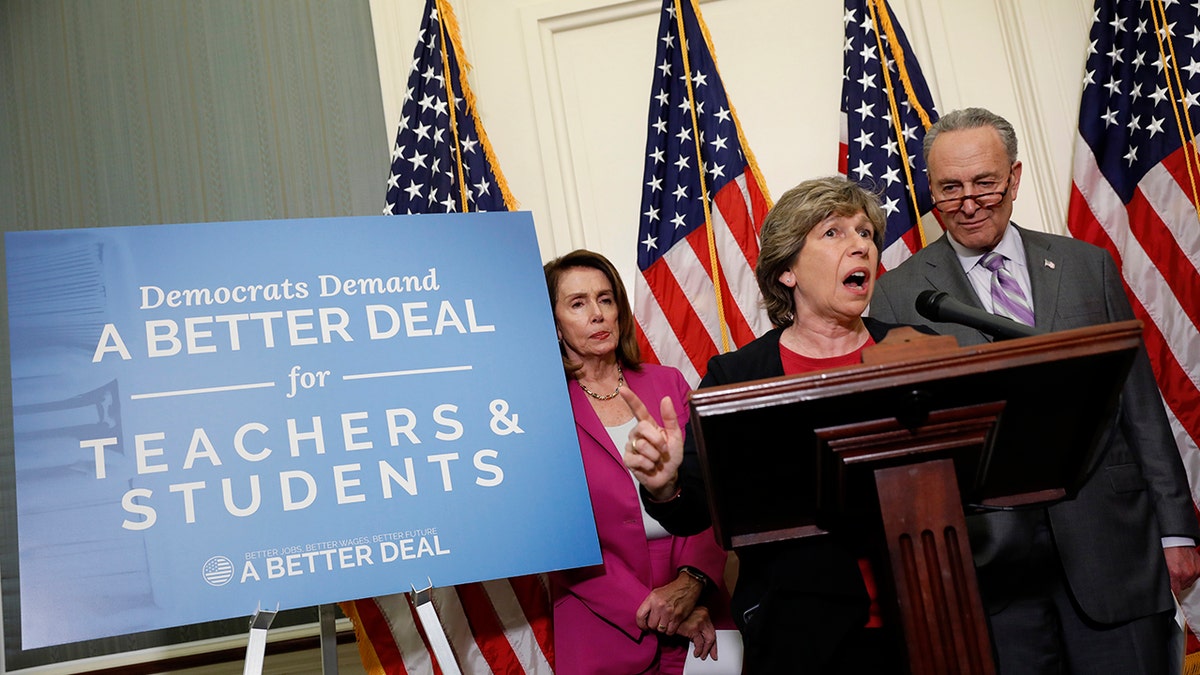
point(598, 397)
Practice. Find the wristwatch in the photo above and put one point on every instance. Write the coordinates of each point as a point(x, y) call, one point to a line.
point(695, 574)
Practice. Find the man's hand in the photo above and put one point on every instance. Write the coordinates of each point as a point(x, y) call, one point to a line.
point(1183, 564)
point(654, 452)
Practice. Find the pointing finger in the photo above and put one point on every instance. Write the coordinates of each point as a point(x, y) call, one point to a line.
point(670, 420)
point(635, 404)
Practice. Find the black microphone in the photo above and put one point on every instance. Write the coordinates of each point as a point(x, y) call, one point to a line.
point(938, 306)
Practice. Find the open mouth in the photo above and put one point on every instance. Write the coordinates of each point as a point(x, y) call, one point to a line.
point(856, 280)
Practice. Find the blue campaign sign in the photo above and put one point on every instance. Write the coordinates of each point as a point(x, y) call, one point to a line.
point(217, 416)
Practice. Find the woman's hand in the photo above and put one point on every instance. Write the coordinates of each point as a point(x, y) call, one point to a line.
point(653, 453)
point(666, 608)
point(698, 628)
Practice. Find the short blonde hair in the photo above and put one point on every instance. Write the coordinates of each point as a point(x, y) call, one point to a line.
point(788, 223)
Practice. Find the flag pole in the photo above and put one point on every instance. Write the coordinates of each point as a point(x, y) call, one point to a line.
point(1178, 100)
point(892, 107)
point(713, 259)
point(447, 14)
point(452, 35)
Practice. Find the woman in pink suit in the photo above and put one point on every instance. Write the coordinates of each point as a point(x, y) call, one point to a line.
point(638, 612)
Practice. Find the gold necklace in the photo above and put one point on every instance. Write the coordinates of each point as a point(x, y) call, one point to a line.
point(598, 397)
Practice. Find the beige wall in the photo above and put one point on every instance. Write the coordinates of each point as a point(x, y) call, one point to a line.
point(563, 86)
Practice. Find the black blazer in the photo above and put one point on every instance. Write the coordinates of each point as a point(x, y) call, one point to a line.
point(821, 565)
point(688, 513)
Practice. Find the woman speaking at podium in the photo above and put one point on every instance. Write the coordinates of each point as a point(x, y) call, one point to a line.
point(803, 605)
point(655, 592)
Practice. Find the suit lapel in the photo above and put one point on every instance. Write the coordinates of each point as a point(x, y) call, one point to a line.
point(589, 423)
point(943, 271)
point(1044, 277)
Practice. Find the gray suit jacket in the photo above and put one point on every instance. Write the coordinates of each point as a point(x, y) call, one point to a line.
point(1109, 537)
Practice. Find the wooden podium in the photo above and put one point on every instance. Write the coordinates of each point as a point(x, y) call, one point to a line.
point(908, 440)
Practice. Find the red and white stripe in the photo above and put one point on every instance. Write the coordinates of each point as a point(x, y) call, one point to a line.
point(500, 627)
point(675, 298)
point(1156, 243)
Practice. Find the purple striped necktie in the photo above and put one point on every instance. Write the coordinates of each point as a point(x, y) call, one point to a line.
point(1007, 299)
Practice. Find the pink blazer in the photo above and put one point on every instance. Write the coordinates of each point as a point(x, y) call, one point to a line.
point(612, 593)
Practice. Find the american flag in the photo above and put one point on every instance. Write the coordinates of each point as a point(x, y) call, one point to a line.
point(442, 162)
point(1137, 186)
point(703, 204)
point(885, 112)
point(442, 156)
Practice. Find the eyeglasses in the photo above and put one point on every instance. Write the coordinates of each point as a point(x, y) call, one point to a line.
point(985, 200)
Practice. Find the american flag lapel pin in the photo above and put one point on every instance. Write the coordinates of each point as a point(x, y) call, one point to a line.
point(1049, 263)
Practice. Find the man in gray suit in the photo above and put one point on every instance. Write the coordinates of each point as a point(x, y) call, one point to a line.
point(1083, 586)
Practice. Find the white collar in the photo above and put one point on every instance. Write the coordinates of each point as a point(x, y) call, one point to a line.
point(1009, 246)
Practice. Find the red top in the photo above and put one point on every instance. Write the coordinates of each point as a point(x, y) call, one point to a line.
point(795, 364)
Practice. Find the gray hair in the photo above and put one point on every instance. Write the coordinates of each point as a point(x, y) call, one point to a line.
point(973, 118)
